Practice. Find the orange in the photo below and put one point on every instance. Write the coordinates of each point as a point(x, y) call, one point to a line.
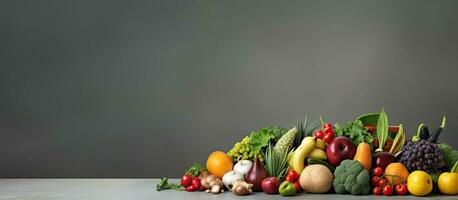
point(219, 163)
point(399, 171)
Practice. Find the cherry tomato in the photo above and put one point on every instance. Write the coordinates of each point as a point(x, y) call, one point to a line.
point(387, 190)
point(191, 188)
point(401, 189)
point(327, 125)
point(195, 182)
point(330, 132)
point(202, 188)
point(378, 171)
point(292, 176)
point(327, 138)
point(319, 134)
point(382, 182)
point(186, 180)
point(374, 180)
point(297, 185)
point(377, 191)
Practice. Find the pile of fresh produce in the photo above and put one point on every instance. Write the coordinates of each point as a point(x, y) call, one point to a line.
point(364, 156)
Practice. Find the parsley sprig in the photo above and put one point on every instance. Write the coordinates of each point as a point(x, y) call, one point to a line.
point(195, 170)
point(354, 130)
point(165, 185)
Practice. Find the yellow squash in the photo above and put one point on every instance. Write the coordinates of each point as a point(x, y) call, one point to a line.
point(318, 154)
point(363, 155)
point(448, 181)
point(419, 183)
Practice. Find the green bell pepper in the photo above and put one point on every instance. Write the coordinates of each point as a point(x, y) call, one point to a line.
point(287, 189)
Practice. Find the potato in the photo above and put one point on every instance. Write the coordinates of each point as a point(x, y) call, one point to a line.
point(316, 179)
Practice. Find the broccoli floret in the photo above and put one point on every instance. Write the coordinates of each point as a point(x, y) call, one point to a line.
point(351, 177)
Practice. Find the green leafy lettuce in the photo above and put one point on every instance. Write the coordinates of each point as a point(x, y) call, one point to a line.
point(451, 154)
point(261, 139)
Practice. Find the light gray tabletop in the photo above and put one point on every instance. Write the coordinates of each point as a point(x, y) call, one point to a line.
point(137, 189)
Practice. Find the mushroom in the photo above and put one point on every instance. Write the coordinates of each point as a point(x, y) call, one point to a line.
point(240, 187)
point(211, 183)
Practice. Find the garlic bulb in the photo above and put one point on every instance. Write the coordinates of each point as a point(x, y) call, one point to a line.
point(243, 166)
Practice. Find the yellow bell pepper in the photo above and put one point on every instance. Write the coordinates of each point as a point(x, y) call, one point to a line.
point(448, 181)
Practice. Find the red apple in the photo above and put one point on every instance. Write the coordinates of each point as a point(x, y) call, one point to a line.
point(341, 148)
point(270, 185)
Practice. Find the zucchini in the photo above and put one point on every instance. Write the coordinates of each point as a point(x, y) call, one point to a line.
point(321, 162)
point(435, 135)
point(424, 132)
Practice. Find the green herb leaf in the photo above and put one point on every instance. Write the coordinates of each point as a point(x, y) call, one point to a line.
point(165, 185)
point(261, 139)
point(304, 129)
point(195, 169)
point(398, 141)
point(276, 163)
point(355, 131)
point(382, 129)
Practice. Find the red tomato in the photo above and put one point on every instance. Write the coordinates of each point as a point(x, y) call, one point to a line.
point(327, 125)
point(202, 188)
point(374, 180)
point(331, 133)
point(378, 171)
point(387, 190)
point(195, 182)
point(292, 176)
point(382, 182)
point(327, 138)
point(191, 188)
point(297, 185)
point(401, 189)
point(319, 134)
point(377, 191)
point(186, 180)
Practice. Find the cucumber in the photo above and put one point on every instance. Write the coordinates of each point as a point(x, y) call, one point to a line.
point(321, 162)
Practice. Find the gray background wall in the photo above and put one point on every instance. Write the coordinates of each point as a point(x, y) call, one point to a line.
point(146, 88)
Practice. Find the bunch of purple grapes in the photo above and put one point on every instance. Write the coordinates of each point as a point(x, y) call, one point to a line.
point(422, 155)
